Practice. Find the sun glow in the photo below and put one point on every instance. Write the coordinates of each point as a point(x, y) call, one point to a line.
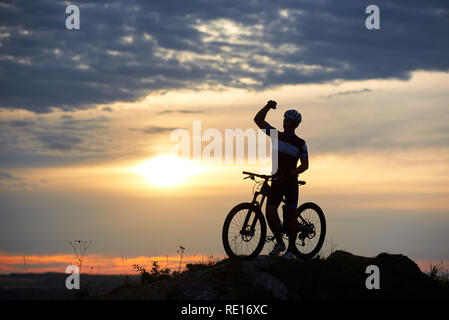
point(167, 170)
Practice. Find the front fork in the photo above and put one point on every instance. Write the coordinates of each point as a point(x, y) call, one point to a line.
point(257, 205)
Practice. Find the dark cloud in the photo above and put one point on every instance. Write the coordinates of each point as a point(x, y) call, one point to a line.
point(7, 180)
point(107, 109)
point(60, 142)
point(8, 176)
point(84, 124)
point(19, 158)
point(19, 123)
point(345, 93)
point(126, 49)
point(67, 123)
point(47, 141)
point(153, 129)
point(70, 134)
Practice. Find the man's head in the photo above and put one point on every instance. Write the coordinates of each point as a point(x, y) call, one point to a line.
point(292, 119)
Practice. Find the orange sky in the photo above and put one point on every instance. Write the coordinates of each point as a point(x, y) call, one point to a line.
point(100, 264)
point(94, 263)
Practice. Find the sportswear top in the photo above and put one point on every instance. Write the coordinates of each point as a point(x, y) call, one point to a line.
point(290, 148)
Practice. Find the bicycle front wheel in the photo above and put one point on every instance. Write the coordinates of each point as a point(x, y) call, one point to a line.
point(312, 230)
point(244, 232)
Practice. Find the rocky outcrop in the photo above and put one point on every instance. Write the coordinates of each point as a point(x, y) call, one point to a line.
point(341, 276)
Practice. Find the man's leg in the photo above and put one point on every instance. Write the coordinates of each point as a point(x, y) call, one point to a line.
point(274, 223)
point(292, 228)
point(291, 199)
point(273, 201)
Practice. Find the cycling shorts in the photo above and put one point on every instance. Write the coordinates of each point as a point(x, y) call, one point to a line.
point(285, 187)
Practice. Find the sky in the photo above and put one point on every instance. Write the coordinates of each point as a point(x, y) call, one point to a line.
point(87, 115)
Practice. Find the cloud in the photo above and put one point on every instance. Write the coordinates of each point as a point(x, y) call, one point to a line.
point(180, 111)
point(18, 123)
point(107, 109)
point(127, 49)
point(47, 140)
point(9, 181)
point(84, 124)
point(8, 176)
point(153, 129)
point(345, 93)
point(60, 142)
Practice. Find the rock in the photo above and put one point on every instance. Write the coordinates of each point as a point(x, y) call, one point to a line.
point(341, 276)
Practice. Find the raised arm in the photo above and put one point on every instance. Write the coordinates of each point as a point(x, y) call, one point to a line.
point(259, 119)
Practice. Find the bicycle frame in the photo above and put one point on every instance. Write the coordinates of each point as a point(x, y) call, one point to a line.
point(247, 231)
point(259, 203)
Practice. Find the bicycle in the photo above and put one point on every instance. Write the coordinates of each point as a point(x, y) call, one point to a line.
point(246, 222)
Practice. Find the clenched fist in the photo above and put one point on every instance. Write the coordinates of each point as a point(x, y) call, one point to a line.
point(272, 104)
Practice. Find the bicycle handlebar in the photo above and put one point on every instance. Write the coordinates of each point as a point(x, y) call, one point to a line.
point(252, 175)
point(257, 175)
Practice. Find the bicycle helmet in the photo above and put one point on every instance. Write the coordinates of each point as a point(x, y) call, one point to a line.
point(293, 115)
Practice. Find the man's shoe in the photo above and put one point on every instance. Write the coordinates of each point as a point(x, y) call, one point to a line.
point(278, 248)
point(288, 255)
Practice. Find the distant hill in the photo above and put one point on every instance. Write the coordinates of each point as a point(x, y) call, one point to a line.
point(341, 276)
point(51, 285)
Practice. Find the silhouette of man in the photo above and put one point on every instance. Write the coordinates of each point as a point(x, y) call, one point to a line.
point(291, 148)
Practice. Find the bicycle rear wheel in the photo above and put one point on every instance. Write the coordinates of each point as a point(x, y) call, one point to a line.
point(312, 230)
point(242, 241)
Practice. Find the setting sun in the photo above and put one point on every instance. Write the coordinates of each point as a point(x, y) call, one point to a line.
point(167, 170)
